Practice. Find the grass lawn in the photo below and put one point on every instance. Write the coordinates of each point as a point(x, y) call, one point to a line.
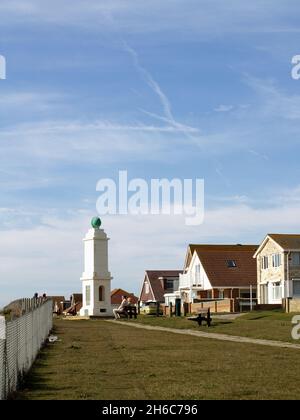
point(269, 325)
point(101, 360)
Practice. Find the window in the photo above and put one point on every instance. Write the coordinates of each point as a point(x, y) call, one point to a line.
point(221, 294)
point(231, 263)
point(146, 287)
point(265, 262)
point(296, 288)
point(197, 274)
point(276, 260)
point(295, 258)
point(101, 294)
point(169, 284)
point(87, 295)
point(277, 291)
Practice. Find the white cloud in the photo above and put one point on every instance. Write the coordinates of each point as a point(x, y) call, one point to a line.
point(223, 108)
point(30, 99)
point(49, 257)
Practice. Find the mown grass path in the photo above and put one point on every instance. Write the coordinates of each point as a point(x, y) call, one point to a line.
point(214, 336)
point(104, 360)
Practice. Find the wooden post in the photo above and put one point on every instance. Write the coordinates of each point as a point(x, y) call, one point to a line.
point(170, 309)
point(139, 307)
point(157, 308)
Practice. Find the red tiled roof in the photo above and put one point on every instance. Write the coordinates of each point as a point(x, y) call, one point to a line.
point(214, 259)
point(156, 284)
point(116, 296)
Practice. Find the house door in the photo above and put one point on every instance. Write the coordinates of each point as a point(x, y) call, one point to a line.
point(264, 293)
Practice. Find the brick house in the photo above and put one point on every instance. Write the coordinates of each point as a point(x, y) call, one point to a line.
point(218, 272)
point(58, 302)
point(116, 297)
point(157, 283)
point(278, 268)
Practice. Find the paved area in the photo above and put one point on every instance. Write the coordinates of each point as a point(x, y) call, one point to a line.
point(214, 336)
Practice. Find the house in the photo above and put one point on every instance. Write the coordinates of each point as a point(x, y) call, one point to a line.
point(75, 304)
point(116, 297)
point(76, 298)
point(59, 302)
point(218, 272)
point(157, 283)
point(278, 268)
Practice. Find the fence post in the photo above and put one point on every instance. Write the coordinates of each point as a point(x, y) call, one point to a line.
point(170, 310)
point(157, 308)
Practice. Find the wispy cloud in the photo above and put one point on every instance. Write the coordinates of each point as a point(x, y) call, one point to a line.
point(167, 116)
point(273, 100)
point(223, 108)
point(156, 88)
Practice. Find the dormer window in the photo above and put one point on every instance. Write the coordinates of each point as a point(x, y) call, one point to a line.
point(169, 284)
point(231, 263)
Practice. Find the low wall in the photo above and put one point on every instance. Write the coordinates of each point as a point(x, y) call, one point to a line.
point(224, 305)
point(291, 305)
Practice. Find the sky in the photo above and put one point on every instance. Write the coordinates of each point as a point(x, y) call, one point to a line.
point(173, 89)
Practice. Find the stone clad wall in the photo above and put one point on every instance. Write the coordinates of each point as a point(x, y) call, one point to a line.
point(271, 272)
point(294, 305)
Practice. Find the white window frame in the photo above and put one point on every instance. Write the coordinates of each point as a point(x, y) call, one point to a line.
point(276, 288)
point(197, 274)
point(276, 260)
point(265, 262)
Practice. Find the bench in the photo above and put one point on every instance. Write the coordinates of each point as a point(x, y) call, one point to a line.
point(129, 312)
point(203, 315)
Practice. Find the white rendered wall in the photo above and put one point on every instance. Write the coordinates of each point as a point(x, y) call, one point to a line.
point(96, 274)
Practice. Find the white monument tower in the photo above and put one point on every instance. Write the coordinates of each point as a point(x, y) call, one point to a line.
point(96, 279)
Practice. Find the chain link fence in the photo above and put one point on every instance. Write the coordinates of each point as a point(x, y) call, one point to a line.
point(20, 341)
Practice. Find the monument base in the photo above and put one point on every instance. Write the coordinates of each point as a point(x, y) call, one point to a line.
point(96, 312)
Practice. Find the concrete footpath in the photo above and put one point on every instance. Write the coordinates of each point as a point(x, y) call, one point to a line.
point(213, 336)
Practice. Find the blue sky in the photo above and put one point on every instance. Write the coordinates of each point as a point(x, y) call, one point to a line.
point(187, 89)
